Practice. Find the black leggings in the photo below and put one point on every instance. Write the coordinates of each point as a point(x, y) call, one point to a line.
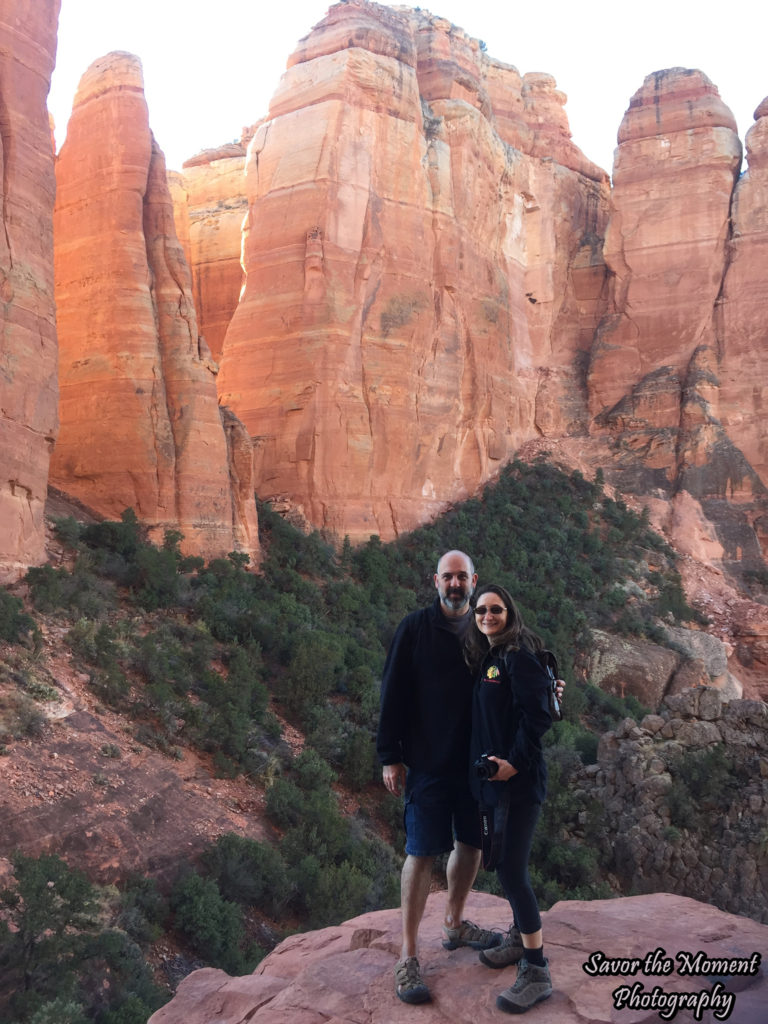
point(513, 866)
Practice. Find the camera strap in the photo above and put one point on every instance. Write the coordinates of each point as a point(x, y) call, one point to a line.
point(493, 825)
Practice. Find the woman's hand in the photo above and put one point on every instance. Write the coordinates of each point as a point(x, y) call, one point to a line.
point(506, 770)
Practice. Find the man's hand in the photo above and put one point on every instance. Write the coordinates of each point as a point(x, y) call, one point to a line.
point(394, 778)
point(559, 688)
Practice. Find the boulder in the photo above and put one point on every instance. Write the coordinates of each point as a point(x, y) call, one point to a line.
point(627, 667)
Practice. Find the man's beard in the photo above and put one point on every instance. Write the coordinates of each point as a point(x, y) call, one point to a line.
point(455, 599)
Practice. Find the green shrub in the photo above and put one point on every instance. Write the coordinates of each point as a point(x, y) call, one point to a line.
point(15, 624)
point(329, 893)
point(61, 1010)
point(49, 907)
point(249, 873)
point(80, 593)
point(285, 803)
point(602, 711)
point(703, 782)
point(143, 909)
point(359, 764)
point(20, 717)
point(312, 672)
point(212, 925)
point(68, 530)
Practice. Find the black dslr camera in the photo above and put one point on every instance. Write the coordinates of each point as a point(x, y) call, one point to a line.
point(484, 767)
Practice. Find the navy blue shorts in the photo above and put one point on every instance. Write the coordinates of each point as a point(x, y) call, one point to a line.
point(439, 809)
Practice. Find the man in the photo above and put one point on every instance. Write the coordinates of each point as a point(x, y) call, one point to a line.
point(426, 704)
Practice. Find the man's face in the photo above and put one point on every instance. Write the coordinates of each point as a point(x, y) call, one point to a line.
point(455, 583)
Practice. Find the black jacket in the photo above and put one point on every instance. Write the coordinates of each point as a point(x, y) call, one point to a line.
point(426, 697)
point(510, 714)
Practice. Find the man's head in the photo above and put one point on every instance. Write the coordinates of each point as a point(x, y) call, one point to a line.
point(455, 580)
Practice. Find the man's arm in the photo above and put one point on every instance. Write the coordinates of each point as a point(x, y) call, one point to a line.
point(393, 719)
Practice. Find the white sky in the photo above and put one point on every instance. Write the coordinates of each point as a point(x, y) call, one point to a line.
point(211, 66)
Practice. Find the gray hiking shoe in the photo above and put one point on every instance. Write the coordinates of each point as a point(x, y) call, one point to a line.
point(468, 934)
point(408, 984)
point(509, 951)
point(533, 984)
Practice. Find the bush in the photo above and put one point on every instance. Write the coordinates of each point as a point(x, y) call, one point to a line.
point(81, 592)
point(313, 671)
point(249, 873)
point(212, 925)
point(703, 781)
point(143, 909)
point(328, 893)
point(285, 803)
point(49, 906)
point(15, 624)
point(19, 717)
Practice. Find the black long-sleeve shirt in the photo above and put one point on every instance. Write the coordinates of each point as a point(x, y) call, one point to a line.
point(510, 714)
point(426, 696)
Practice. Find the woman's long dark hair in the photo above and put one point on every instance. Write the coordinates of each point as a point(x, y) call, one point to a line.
point(515, 634)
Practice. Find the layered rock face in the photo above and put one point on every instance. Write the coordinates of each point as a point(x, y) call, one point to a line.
point(676, 373)
point(210, 206)
point(28, 387)
point(742, 405)
point(140, 422)
point(665, 247)
point(411, 277)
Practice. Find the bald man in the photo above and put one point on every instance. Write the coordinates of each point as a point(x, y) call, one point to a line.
point(426, 707)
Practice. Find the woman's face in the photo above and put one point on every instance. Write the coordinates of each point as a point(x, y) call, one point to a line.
point(490, 614)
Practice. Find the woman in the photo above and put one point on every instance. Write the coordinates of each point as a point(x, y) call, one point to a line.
point(510, 713)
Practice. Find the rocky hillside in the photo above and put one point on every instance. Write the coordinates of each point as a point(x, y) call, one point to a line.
point(182, 723)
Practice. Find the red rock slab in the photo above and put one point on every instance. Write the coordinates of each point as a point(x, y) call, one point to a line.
point(346, 973)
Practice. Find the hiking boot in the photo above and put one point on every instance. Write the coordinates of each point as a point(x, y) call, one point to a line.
point(408, 984)
point(468, 934)
point(533, 984)
point(509, 951)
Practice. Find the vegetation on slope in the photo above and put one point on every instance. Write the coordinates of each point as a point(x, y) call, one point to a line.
point(214, 656)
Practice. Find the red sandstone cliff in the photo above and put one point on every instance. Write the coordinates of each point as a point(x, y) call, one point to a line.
point(425, 275)
point(675, 168)
point(28, 392)
point(676, 372)
point(210, 206)
point(140, 422)
point(742, 373)
point(417, 290)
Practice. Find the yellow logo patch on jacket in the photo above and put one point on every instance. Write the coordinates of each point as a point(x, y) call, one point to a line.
point(492, 674)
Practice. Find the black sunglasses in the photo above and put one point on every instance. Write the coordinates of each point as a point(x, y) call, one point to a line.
point(494, 609)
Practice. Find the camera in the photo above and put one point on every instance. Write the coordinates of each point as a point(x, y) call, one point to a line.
point(485, 768)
